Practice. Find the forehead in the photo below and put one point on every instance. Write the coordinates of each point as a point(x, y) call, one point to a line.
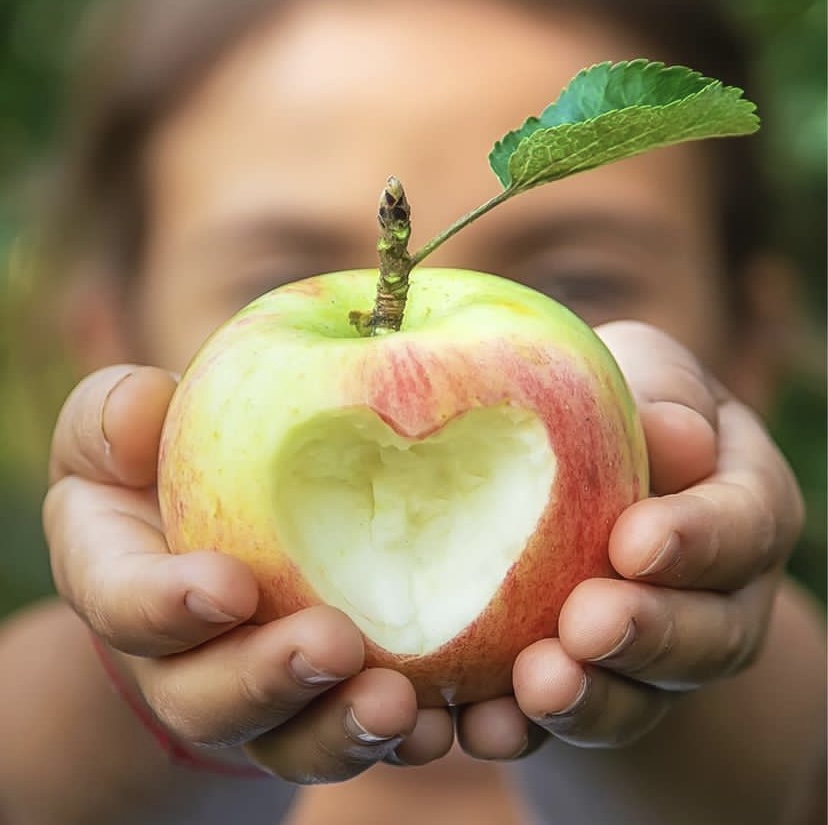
point(276, 161)
point(341, 90)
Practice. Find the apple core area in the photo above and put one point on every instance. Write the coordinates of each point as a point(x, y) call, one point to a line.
point(411, 538)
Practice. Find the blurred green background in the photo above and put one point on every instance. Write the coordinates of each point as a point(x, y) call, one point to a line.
point(34, 48)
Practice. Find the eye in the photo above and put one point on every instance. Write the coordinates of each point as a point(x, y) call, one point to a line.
point(595, 293)
point(588, 288)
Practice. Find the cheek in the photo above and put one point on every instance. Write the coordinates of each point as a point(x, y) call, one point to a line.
point(172, 319)
point(700, 332)
point(691, 308)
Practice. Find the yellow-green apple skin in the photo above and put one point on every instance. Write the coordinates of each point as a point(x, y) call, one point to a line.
point(447, 485)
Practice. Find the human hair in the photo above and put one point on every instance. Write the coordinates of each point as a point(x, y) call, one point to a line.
point(141, 57)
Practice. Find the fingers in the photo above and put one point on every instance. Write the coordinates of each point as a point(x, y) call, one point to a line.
point(350, 728)
point(677, 402)
point(109, 558)
point(251, 678)
point(627, 650)
point(498, 730)
point(292, 693)
point(702, 560)
point(724, 531)
point(730, 507)
point(110, 426)
point(111, 563)
point(672, 639)
point(583, 705)
point(431, 739)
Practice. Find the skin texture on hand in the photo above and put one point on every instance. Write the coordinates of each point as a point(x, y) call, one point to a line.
point(111, 564)
point(701, 561)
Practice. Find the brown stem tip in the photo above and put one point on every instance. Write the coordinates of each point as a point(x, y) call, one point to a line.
point(394, 216)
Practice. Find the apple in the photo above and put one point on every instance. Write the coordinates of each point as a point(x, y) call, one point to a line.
point(446, 486)
point(448, 466)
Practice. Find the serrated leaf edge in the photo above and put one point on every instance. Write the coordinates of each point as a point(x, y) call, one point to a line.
point(533, 124)
point(749, 108)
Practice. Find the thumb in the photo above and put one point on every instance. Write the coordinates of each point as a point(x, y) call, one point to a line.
point(109, 427)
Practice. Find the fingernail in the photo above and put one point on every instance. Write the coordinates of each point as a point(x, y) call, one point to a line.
point(666, 558)
point(630, 632)
point(305, 673)
point(577, 703)
point(203, 607)
point(112, 390)
point(520, 750)
point(359, 733)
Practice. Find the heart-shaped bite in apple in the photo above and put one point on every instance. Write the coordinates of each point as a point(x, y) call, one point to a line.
point(446, 486)
point(411, 538)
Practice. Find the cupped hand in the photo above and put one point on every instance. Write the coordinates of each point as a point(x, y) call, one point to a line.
point(700, 562)
point(292, 692)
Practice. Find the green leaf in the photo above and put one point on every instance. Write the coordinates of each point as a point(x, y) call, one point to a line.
point(614, 111)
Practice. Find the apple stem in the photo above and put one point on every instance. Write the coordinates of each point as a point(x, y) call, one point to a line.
point(460, 223)
point(394, 265)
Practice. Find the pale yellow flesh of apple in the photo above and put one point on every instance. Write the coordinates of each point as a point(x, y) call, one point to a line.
point(411, 538)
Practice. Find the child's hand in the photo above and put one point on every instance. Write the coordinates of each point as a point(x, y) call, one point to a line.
point(693, 614)
point(701, 560)
point(293, 690)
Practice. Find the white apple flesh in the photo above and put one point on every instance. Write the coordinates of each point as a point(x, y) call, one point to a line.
point(446, 486)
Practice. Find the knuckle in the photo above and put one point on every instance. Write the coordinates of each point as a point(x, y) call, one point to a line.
point(660, 654)
point(166, 703)
point(53, 506)
point(739, 649)
point(746, 652)
point(87, 604)
point(167, 714)
point(314, 762)
point(640, 722)
point(760, 514)
point(153, 622)
point(707, 551)
point(691, 388)
point(709, 558)
point(740, 539)
point(90, 606)
point(263, 700)
point(253, 693)
point(136, 620)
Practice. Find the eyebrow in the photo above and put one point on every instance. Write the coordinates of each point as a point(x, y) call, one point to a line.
point(532, 234)
point(538, 232)
point(266, 233)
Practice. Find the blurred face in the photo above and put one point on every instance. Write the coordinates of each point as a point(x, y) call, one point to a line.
point(271, 171)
